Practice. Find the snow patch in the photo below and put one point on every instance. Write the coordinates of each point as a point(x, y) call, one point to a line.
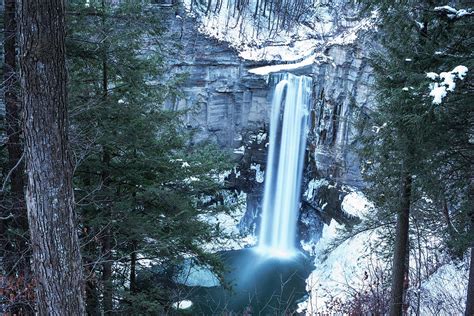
point(265, 70)
point(452, 13)
point(312, 186)
point(356, 204)
point(376, 129)
point(240, 150)
point(261, 137)
point(334, 272)
point(259, 174)
point(444, 292)
point(184, 304)
point(446, 82)
point(192, 274)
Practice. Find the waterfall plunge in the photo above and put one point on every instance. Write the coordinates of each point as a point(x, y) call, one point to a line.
point(288, 129)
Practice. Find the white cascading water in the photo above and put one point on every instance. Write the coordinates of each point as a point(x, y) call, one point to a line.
point(288, 130)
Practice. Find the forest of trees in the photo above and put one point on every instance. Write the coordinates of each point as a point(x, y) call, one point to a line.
point(275, 16)
point(129, 181)
point(96, 176)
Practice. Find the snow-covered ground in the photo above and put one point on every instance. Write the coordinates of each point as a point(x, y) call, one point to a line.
point(352, 267)
point(343, 267)
point(444, 292)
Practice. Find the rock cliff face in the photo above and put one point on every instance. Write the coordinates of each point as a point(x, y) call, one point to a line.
point(341, 92)
point(231, 106)
point(226, 100)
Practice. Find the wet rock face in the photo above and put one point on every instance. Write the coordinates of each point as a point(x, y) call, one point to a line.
point(249, 177)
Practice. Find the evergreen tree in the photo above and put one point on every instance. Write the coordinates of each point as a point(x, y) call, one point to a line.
point(139, 180)
point(412, 135)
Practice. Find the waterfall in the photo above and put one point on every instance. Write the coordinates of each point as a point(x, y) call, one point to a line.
point(288, 130)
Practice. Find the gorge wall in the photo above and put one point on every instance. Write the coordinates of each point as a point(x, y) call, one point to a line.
point(226, 100)
point(231, 105)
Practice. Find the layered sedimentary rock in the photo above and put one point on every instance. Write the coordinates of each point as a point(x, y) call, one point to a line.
point(341, 94)
point(225, 100)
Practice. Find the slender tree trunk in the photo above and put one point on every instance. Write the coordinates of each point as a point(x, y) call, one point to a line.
point(106, 238)
point(470, 288)
point(256, 9)
point(107, 273)
point(15, 257)
point(400, 256)
point(92, 295)
point(447, 217)
point(12, 107)
point(470, 285)
point(133, 268)
point(49, 197)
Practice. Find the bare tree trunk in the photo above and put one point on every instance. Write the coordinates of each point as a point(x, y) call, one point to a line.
point(92, 294)
point(470, 288)
point(400, 256)
point(15, 256)
point(470, 285)
point(133, 268)
point(106, 239)
point(107, 273)
point(49, 198)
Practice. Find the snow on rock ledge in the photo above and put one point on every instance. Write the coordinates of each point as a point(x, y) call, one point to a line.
point(231, 238)
point(356, 204)
point(256, 38)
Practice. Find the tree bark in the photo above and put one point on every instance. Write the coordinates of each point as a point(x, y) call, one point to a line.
point(56, 254)
point(400, 256)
